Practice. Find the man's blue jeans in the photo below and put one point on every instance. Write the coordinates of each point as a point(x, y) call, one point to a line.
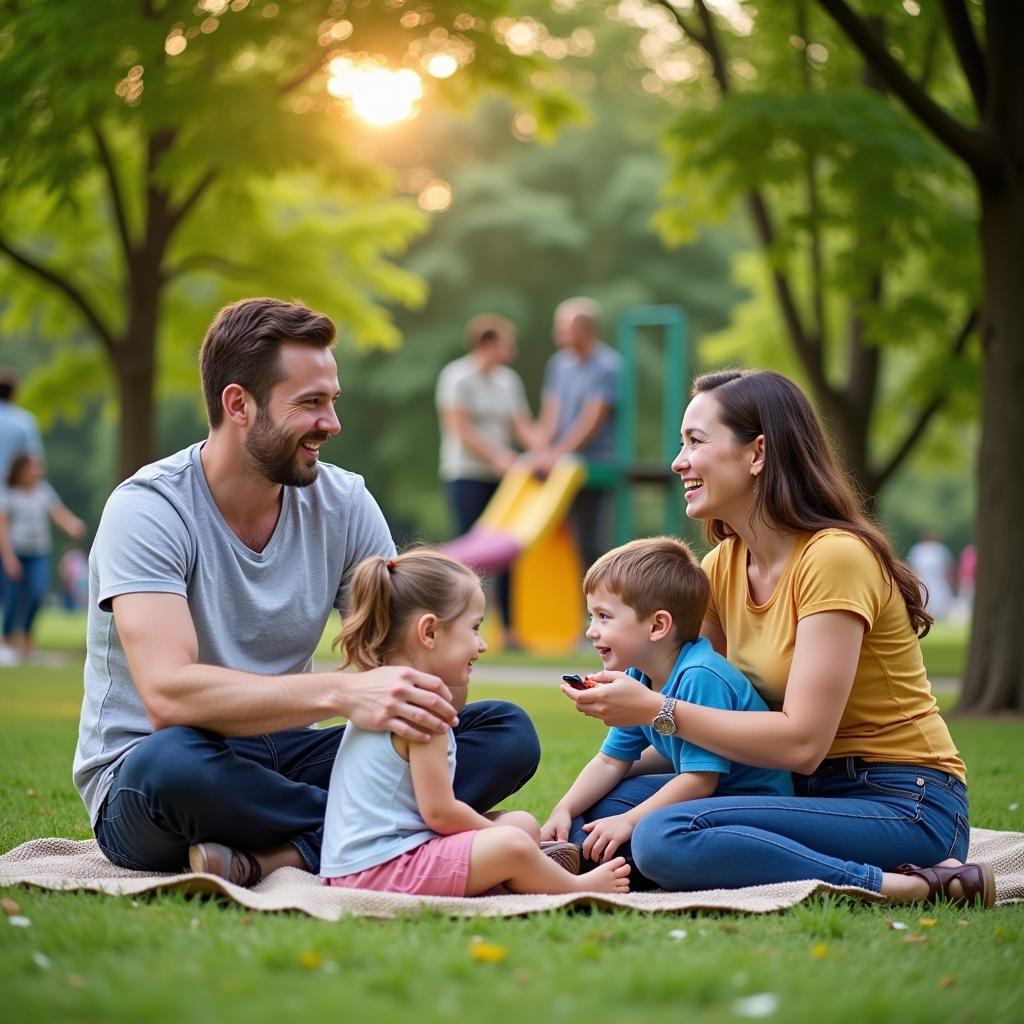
point(181, 786)
point(850, 821)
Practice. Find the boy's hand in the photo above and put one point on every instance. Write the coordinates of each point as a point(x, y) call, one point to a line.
point(557, 826)
point(606, 836)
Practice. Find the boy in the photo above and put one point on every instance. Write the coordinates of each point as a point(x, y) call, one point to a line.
point(646, 601)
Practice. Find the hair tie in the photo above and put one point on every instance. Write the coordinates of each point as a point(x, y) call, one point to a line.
point(391, 563)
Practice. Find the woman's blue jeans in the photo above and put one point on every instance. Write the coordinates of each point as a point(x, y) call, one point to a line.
point(181, 786)
point(24, 597)
point(850, 821)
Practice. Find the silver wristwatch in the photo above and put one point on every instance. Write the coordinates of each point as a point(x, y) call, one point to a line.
point(665, 721)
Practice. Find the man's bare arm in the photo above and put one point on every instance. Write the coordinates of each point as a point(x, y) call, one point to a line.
point(159, 641)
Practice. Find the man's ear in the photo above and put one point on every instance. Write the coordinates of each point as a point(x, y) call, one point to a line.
point(426, 630)
point(238, 405)
point(661, 624)
point(757, 461)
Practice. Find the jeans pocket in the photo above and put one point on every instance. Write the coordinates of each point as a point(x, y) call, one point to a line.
point(908, 790)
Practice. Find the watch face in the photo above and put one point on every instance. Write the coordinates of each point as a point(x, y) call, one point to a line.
point(665, 725)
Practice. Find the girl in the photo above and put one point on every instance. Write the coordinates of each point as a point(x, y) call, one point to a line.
point(29, 504)
point(393, 822)
point(810, 603)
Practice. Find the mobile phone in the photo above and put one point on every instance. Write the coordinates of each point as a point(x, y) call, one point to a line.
point(577, 682)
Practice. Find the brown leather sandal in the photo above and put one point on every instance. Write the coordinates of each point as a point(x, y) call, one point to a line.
point(976, 880)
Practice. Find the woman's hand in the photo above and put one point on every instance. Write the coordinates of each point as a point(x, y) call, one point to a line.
point(618, 699)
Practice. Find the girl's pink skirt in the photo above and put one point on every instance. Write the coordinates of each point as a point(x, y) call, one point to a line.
point(438, 867)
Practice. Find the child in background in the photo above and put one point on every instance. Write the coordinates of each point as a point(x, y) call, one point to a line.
point(646, 601)
point(393, 822)
point(28, 504)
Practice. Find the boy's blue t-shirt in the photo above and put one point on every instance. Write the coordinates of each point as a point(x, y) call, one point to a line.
point(702, 676)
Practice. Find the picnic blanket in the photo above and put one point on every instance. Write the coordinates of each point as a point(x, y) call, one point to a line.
point(71, 865)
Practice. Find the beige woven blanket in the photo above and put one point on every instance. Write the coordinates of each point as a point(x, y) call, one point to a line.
point(66, 864)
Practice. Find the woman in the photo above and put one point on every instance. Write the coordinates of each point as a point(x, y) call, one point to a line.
point(808, 599)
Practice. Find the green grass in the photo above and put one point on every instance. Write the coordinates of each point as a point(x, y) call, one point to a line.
point(92, 958)
point(945, 648)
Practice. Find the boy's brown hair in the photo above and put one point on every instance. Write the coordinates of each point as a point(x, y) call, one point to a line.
point(652, 574)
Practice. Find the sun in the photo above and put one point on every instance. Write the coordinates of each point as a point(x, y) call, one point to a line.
point(376, 94)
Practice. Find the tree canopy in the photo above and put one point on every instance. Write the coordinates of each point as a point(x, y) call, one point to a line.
point(159, 158)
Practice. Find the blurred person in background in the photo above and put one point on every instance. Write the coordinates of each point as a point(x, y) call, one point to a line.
point(932, 563)
point(19, 434)
point(577, 415)
point(29, 504)
point(481, 403)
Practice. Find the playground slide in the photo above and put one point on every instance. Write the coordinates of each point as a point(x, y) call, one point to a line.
point(524, 523)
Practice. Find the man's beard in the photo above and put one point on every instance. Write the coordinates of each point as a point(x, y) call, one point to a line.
point(274, 451)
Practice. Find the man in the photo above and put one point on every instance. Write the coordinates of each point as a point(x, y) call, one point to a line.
point(212, 577)
point(482, 407)
point(581, 384)
point(19, 435)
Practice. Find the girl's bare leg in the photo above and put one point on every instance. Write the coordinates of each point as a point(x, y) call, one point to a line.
point(520, 819)
point(505, 855)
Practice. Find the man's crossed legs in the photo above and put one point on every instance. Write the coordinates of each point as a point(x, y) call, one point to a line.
point(182, 786)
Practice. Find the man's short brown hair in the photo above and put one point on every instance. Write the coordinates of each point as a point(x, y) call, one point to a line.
point(652, 574)
point(487, 327)
point(242, 345)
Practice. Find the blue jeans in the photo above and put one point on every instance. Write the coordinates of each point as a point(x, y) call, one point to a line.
point(182, 785)
point(24, 597)
point(850, 821)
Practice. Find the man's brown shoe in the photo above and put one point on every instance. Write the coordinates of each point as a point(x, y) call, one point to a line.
point(565, 855)
point(235, 866)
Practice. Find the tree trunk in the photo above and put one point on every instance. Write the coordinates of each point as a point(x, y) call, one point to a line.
point(995, 670)
point(136, 369)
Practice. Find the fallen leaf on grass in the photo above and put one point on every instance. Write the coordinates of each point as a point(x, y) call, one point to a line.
point(76, 981)
point(9, 906)
point(927, 922)
point(487, 952)
point(915, 940)
point(946, 981)
point(757, 1006)
point(819, 950)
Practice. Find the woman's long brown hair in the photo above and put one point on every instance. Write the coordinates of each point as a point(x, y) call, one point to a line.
point(802, 487)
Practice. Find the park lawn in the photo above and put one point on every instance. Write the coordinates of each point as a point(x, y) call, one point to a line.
point(166, 959)
point(944, 649)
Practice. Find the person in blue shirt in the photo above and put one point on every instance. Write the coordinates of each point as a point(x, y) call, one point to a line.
point(646, 601)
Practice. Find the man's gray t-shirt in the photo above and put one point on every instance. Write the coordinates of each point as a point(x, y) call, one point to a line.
point(261, 612)
point(574, 382)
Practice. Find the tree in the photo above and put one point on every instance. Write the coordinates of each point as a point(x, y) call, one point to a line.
point(850, 205)
point(530, 223)
point(160, 156)
point(988, 138)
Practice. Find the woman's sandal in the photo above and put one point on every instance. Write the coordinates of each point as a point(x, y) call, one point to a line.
point(977, 882)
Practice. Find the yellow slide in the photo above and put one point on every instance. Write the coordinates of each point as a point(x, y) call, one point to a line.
point(547, 599)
